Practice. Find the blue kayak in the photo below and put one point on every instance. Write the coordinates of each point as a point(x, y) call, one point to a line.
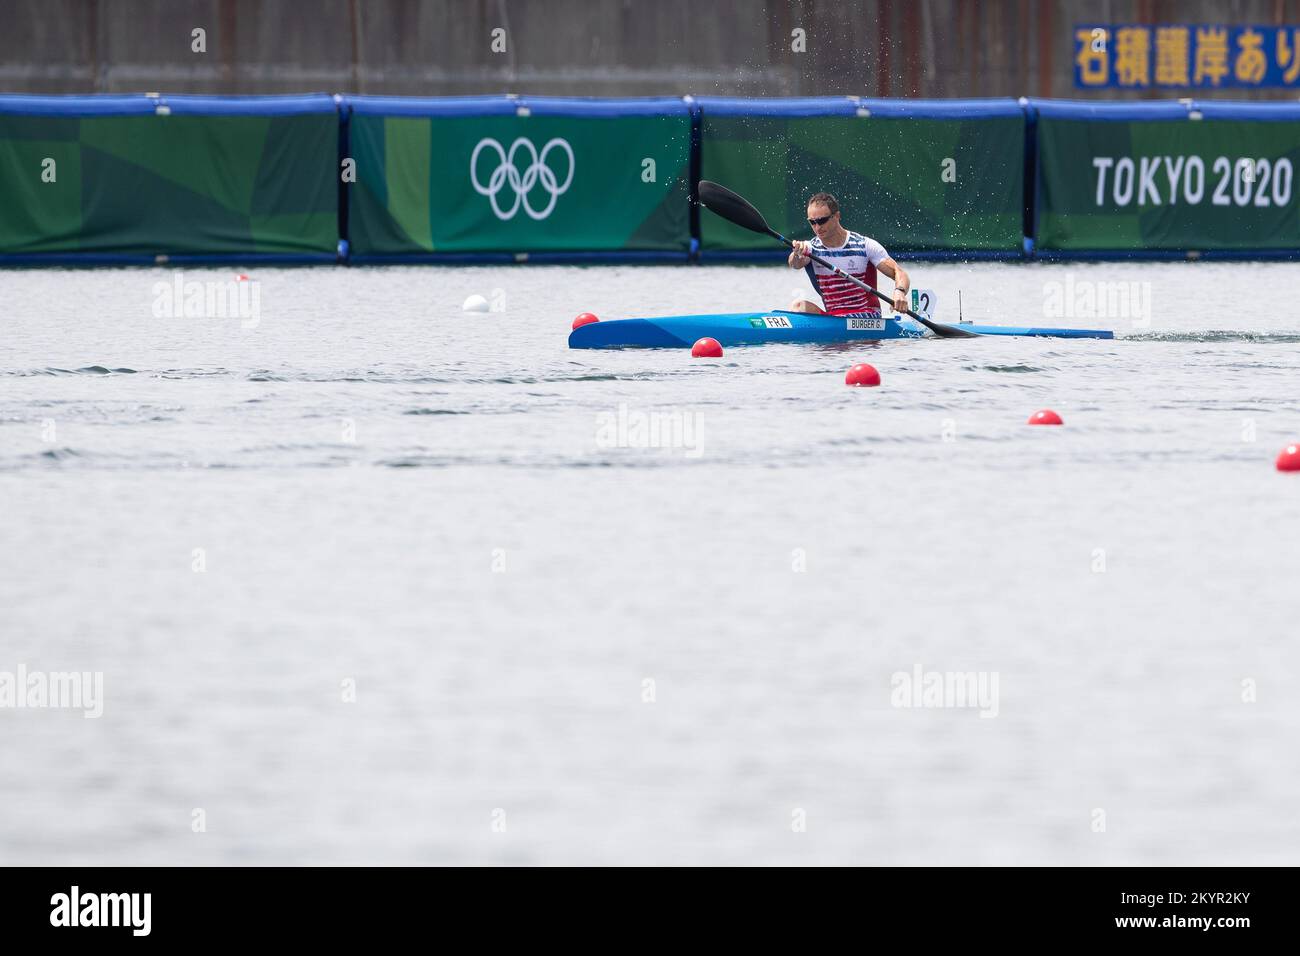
point(761, 328)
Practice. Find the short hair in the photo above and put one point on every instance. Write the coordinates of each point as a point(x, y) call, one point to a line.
point(827, 200)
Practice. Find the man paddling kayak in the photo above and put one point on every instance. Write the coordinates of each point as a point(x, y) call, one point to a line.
point(856, 254)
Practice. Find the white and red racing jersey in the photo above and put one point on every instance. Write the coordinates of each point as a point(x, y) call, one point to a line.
point(859, 257)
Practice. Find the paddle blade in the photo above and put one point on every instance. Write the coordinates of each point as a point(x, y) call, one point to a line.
point(732, 207)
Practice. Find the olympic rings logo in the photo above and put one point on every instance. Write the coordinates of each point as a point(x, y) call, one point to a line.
point(507, 174)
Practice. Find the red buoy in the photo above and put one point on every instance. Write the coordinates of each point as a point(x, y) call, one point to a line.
point(706, 348)
point(241, 278)
point(862, 374)
point(585, 319)
point(1045, 417)
point(1289, 458)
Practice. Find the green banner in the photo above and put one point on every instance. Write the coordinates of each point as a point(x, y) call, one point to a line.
point(168, 184)
point(1174, 185)
point(909, 183)
point(517, 184)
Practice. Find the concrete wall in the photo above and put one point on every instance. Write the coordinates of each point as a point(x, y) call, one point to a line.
point(934, 48)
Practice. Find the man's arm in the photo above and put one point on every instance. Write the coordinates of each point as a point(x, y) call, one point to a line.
point(902, 282)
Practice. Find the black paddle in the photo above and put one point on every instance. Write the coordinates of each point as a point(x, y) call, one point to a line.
point(737, 209)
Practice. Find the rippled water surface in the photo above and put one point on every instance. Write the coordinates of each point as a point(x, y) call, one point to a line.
point(567, 648)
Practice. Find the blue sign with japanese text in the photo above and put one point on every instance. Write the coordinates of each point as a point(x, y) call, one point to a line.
point(1188, 56)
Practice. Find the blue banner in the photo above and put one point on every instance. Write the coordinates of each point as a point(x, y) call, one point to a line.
point(1185, 56)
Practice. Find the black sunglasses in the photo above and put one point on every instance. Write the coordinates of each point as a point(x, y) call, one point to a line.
point(820, 221)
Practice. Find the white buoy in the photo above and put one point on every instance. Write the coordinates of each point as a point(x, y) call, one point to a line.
point(475, 303)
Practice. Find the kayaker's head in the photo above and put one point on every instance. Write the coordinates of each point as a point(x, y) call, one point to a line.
point(824, 216)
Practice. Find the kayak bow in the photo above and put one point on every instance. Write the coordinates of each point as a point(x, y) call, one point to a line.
point(759, 328)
